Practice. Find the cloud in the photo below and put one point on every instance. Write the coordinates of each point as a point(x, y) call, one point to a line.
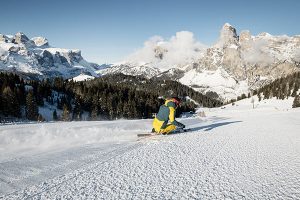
point(297, 55)
point(258, 53)
point(179, 50)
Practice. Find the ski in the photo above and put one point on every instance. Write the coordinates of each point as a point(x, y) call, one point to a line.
point(173, 132)
point(146, 134)
point(180, 131)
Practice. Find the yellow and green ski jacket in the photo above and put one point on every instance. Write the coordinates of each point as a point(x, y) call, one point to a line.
point(167, 113)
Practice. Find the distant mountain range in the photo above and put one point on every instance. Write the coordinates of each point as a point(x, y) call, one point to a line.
point(35, 58)
point(234, 65)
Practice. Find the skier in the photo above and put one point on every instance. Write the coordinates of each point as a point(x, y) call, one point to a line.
point(165, 114)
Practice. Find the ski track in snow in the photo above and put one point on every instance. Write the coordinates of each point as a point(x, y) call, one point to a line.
point(245, 155)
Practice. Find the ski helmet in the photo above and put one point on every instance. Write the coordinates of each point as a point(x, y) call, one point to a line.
point(176, 100)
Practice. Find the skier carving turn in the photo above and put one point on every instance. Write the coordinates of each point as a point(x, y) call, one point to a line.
point(166, 114)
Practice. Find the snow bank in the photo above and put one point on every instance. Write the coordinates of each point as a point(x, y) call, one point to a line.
point(52, 136)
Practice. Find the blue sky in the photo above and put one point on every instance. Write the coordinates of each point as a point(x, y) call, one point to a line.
point(107, 31)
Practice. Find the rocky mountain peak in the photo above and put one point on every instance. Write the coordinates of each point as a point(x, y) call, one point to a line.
point(245, 36)
point(20, 38)
point(3, 38)
point(230, 67)
point(40, 41)
point(35, 58)
point(159, 52)
point(228, 36)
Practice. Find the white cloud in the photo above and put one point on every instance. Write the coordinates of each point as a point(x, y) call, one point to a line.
point(178, 50)
point(297, 55)
point(258, 53)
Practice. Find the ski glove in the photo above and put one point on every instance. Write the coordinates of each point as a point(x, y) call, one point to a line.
point(178, 124)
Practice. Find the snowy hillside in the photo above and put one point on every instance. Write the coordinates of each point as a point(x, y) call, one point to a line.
point(35, 58)
point(235, 152)
point(218, 81)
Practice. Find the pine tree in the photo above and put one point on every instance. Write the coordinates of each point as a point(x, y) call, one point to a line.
point(94, 113)
point(94, 108)
point(296, 88)
point(31, 108)
point(66, 113)
point(55, 118)
point(243, 96)
point(296, 102)
point(10, 103)
point(77, 111)
point(286, 92)
point(40, 118)
point(259, 97)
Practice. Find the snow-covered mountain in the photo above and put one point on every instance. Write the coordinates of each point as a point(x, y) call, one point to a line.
point(232, 66)
point(36, 58)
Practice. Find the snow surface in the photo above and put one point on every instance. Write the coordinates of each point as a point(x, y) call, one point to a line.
point(218, 81)
point(82, 77)
point(236, 152)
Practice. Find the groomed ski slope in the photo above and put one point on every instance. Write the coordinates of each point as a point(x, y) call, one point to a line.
point(234, 153)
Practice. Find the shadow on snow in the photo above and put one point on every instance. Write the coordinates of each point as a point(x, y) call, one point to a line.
point(212, 126)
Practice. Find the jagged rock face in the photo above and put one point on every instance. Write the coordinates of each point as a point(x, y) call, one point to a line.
point(245, 40)
point(46, 59)
point(232, 62)
point(246, 56)
point(36, 57)
point(14, 49)
point(60, 59)
point(228, 36)
point(3, 38)
point(245, 36)
point(225, 53)
point(21, 38)
point(75, 56)
point(40, 41)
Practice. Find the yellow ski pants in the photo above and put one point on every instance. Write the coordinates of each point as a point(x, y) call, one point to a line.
point(158, 124)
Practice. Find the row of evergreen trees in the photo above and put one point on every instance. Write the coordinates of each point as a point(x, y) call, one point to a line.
point(15, 100)
point(108, 97)
point(160, 87)
point(123, 96)
point(281, 88)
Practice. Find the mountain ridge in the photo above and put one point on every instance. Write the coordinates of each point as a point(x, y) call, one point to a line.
point(37, 58)
point(249, 61)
